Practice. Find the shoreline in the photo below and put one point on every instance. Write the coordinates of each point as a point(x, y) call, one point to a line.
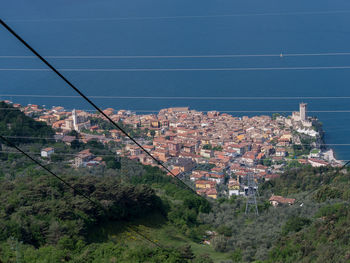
point(327, 154)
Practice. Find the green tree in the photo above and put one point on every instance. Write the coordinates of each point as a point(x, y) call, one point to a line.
point(219, 243)
point(236, 256)
point(295, 224)
point(207, 146)
point(267, 162)
point(203, 259)
point(217, 148)
point(275, 115)
point(224, 230)
point(186, 252)
point(327, 192)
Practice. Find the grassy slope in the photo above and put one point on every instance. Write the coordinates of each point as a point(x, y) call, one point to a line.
point(155, 228)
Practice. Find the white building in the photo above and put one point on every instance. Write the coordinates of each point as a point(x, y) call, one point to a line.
point(309, 132)
point(233, 187)
point(219, 179)
point(206, 153)
point(79, 122)
point(302, 111)
point(233, 192)
point(281, 152)
point(47, 152)
point(317, 162)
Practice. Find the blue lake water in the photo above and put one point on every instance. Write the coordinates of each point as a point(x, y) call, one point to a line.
point(185, 28)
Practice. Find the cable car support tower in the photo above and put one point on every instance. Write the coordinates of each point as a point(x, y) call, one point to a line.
point(251, 191)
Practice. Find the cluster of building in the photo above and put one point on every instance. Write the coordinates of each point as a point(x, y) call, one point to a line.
point(210, 149)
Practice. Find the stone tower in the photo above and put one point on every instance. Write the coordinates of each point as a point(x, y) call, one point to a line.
point(75, 120)
point(302, 111)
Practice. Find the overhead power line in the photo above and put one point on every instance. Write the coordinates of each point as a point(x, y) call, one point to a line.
point(223, 111)
point(93, 202)
point(279, 55)
point(348, 162)
point(93, 104)
point(181, 97)
point(54, 139)
point(111, 139)
point(49, 171)
point(66, 154)
point(177, 69)
point(58, 154)
point(85, 19)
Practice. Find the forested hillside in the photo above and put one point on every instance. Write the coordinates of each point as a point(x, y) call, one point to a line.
point(14, 123)
point(53, 222)
point(43, 220)
point(318, 221)
point(323, 236)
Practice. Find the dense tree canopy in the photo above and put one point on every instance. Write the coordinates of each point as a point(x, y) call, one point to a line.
point(40, 210)
point(13, 122)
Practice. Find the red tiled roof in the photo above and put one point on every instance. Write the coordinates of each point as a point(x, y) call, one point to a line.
point(47, 149)
point(282, 200)
point(206, 182)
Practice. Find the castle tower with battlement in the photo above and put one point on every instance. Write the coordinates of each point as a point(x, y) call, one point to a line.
point(302, 111)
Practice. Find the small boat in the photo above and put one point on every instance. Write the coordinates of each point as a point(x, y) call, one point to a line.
point(281, 55)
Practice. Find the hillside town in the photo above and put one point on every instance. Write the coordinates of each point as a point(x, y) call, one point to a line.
point(213, 151)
